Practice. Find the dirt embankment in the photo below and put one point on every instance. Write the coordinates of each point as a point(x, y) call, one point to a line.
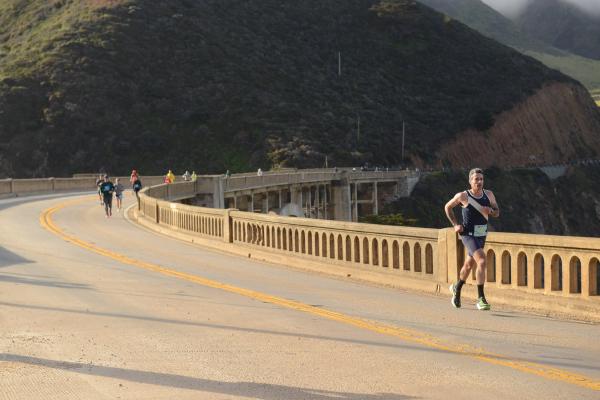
point(557, 124)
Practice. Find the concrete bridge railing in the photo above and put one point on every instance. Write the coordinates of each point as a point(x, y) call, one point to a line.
point(553, 265)
point(22, 187)
point(563, 271)
point(409, 251)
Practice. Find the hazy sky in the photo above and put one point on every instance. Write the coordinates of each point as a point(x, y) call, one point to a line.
point(513, 7)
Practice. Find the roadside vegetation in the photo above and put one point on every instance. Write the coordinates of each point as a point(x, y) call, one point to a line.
point(530, 202)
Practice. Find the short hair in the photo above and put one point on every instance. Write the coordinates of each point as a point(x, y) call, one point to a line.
point(475, 171)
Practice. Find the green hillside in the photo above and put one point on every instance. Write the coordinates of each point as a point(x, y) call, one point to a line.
point(229, 84)
point(491, 23)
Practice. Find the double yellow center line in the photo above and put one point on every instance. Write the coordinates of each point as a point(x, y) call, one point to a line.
point(408, 335)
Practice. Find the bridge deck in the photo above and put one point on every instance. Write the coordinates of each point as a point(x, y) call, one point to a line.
point(149, 319)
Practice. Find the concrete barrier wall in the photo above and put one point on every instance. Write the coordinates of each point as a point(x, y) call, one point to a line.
point(207, 222)
point(274, 179)
point(21, 187)
point(553, 265)
point(74, 184)
point(401, 250)
point(33, 185)
point(243, 182)
point(204, 222)
point(5, 186)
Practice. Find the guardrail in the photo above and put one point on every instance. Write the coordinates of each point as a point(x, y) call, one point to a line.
point(23, 187)
point(411, 251)
point(240, 182)
point(553, 265)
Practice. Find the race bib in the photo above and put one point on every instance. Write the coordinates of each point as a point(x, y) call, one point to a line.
point(480, 230)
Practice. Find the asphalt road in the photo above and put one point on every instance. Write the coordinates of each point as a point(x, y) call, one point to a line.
point(97, 308)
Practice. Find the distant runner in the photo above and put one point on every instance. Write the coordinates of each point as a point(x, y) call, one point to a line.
point(170, 177)
point(98, 183)
point(107, 188)
point(137, 186)
point(119, 193)
point(134, 176)
point(477, 206)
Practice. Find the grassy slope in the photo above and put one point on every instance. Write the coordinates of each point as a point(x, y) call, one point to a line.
point(585, 70)
point(33, 33)
point(562, 25)
point(489, 22)
point(224, 84)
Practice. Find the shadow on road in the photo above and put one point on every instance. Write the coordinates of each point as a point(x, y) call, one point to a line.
point(264, 391)
point(32, 280)
point(8, 258)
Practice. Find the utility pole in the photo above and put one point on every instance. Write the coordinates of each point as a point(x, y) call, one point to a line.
point(402, 140)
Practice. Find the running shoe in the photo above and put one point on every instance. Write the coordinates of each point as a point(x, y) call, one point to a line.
point(455, 296)
point(482, 304)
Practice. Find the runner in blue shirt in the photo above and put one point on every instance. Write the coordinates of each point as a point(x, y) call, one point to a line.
point(107, 189)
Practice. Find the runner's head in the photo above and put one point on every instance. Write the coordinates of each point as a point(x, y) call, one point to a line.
point(476, 179)
point(105, 178)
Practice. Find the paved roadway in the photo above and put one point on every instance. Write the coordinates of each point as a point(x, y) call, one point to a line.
point(128, 314)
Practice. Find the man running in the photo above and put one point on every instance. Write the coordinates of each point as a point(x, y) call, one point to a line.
point(119, 193)
point(134, 176)
point(137, 186)
point(477, 206)
point(107, 188)
point(98, 183)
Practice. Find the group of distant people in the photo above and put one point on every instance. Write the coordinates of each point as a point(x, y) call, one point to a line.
point(187, 177)
point(106, 190)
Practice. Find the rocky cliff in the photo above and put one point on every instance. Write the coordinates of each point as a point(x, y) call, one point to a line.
point(560, 122)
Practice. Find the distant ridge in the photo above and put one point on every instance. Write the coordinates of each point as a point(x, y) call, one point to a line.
point(491, 23)
point(562, 25)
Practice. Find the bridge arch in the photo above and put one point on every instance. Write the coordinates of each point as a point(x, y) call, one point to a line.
point(506, 267)
point(522, 269)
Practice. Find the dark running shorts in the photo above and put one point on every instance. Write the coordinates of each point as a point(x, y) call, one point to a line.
point(472, 243)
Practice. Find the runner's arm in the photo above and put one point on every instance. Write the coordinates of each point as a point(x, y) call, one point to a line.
point(494, 205)
point(449, 209)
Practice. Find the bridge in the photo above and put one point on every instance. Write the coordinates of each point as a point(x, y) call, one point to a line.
point(339, 194)
point(173, 300)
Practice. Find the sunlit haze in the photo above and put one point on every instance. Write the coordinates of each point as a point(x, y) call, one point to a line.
point(512, 8)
